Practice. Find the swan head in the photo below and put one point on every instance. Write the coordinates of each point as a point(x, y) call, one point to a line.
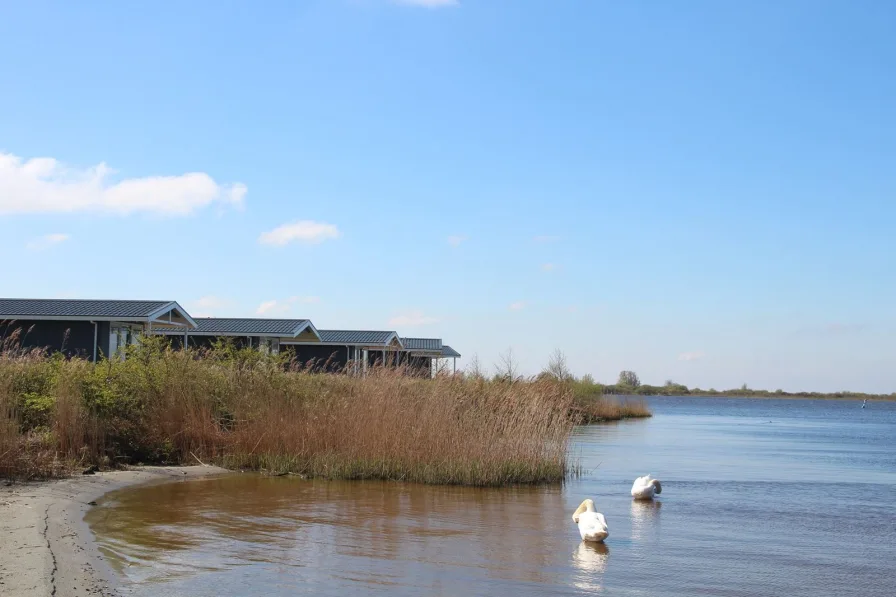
point(657, 486)
point(586, 506)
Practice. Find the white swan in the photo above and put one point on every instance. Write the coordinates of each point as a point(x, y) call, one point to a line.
point(644, 488)
point(592, 524)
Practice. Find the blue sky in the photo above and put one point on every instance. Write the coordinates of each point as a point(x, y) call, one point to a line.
point(700, 191)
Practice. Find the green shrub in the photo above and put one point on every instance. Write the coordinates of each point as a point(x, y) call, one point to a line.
point(35, 411)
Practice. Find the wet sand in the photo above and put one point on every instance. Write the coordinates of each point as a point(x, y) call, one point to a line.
point(46, 547)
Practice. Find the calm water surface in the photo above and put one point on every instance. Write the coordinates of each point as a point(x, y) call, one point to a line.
point(760, 498)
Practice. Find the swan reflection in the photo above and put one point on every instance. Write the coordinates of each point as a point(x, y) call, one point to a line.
point(645, 517)
point(590, 559)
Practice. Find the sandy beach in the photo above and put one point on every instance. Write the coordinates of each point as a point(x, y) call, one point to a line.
point(46, 547)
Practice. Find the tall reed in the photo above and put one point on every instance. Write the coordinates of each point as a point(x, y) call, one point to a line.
point(246, 410)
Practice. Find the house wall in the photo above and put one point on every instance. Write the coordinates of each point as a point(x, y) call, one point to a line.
point(326, 357)
point(375, 358)
point(104, 328)
point(418, 366)
point(72, 338)
point(177, 341)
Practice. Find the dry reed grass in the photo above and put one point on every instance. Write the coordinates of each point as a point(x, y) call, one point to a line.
point(610, 408)
point(245, 410)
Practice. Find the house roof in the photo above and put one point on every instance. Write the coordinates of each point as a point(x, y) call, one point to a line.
point(364, 338)
point(218, 326)
point(423, 344)
point(357, 337)
point(449, 353)
point(97, 310)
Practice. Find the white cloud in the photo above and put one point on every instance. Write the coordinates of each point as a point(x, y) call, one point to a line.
point(691, 356)
point(304, 231)
point(267, 307)
point(208, 306)
point(456, 241)
point(517, 306)
point(428, 3)
point(44, 185)
point(549, 267)
point(282, 307)
point(211, 302)
point(412, 318)
point(46, 241)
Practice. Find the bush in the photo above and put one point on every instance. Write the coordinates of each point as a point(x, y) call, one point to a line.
point(35, 411)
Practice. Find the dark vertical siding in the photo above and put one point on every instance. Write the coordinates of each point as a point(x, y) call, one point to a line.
point(177, 341)
point(319, 357)
point(103, 330)
point(72, 338)
point(419, 366)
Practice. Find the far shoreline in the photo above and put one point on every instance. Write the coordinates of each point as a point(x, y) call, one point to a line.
point(771, 396)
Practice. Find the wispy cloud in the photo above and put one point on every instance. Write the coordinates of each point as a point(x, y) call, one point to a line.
point(412, 319)
point(306, 232)
point(208, 306)
point(46, 241)
point(428, 3)
point(691, 356)
point(285, 306)
point(517, 306)
point(268, 307)
point(45, 185)
point(549, 267)
point(456, 241)
point(546, 238)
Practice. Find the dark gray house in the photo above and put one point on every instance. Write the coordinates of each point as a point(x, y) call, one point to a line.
point(85, 328)
point(268, 334)
point(338, 348)
point(450, 353)
point(419, 354)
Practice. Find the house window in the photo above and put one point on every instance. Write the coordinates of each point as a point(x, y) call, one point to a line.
point(120, 337)
point(269, 345)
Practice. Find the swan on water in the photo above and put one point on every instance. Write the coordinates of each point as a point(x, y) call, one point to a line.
point(644, 488)
point(592, 524)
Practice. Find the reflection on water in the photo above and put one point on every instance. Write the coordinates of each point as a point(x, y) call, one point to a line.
point(333, 534)
point(747, 509)
point(590, 560)
point(645, 518)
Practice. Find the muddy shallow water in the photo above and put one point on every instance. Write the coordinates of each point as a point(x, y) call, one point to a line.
point(760, 498)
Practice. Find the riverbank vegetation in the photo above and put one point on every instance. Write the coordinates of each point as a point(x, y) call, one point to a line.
point(629, 384)
point(243, 409)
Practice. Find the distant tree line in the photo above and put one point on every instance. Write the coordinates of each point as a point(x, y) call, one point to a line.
point(629, 384)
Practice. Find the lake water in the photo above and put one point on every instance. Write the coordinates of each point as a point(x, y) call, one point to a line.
point(760, 497)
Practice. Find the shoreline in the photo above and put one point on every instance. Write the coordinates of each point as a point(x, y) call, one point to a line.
point(47, 547)
point(885, 398)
